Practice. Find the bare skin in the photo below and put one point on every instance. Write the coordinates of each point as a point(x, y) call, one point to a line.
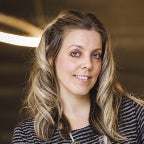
point(78, 65)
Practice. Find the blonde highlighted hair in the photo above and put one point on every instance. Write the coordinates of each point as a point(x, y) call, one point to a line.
point(43, 102)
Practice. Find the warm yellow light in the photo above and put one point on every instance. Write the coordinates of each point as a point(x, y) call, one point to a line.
point(19, 24)
point(19, 40)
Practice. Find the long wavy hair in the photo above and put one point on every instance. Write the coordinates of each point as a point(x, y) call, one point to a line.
point(43, 102)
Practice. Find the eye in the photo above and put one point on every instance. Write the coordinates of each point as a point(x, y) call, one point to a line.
point(97, 56)
point(75, 54)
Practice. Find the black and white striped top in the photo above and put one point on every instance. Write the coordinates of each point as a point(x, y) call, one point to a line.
point(131, 126)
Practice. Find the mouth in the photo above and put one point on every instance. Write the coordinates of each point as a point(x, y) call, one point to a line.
point(82, 77)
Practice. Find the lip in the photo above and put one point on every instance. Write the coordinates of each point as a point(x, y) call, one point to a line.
point(82, 77)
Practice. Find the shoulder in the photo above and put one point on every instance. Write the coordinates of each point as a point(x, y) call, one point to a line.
point(25, 126)
point(128, 103)
point(24, 132)
point(131, 119)
point(130, 108)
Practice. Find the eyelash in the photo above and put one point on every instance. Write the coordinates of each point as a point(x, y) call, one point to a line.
point(97, 55)
point(77, 54)
point(74, 54)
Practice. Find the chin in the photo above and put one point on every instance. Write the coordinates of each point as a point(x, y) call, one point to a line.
point(82, 93)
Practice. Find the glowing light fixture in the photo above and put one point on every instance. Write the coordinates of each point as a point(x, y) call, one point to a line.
point(20, 25)
point(19, 40)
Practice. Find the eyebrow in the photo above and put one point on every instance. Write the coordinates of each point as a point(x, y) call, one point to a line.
point(81, 47)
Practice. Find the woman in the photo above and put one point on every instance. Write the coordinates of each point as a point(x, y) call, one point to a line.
point(74, 96)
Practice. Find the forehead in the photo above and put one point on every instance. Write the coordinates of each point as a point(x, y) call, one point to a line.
point(82, 37)
point(77, 30)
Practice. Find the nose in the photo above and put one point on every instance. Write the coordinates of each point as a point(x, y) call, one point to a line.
point(87, 63)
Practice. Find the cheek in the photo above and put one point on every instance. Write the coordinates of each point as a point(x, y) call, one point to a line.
point(97, 69)
point(60, 65)
point(63, 65)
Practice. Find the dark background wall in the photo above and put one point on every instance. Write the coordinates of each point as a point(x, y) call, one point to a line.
point(124, 21)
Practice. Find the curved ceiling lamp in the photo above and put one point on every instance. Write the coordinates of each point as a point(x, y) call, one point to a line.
point(21, 25)
point(19, 40)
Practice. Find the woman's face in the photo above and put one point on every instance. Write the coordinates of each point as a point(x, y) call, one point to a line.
point(78, 63)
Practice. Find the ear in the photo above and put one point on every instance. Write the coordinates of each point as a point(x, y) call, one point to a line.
point(50, 61)
point(48, 57)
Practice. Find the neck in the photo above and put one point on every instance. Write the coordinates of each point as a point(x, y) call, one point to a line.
point(74, 104)
point(76, 109)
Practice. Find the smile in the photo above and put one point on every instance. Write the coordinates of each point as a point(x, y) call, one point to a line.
point(82, 77)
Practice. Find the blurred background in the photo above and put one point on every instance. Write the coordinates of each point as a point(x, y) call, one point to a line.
point(123, 19)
